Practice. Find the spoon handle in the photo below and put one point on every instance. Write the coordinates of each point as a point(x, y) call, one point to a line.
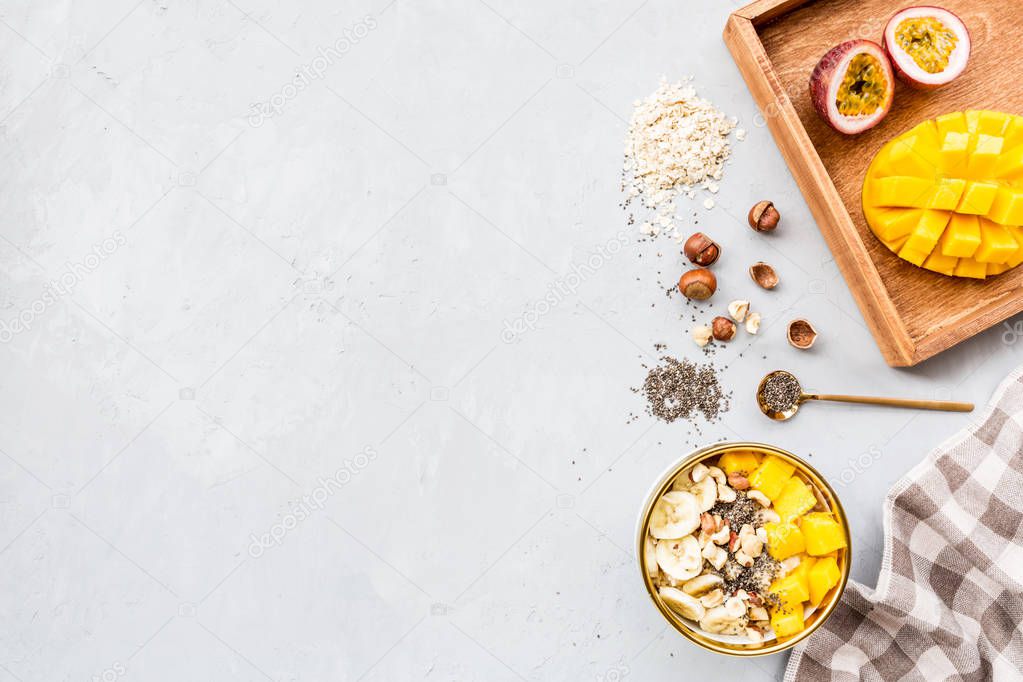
point(943, 405)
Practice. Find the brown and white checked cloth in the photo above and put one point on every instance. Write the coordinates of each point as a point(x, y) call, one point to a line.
point(949, 600)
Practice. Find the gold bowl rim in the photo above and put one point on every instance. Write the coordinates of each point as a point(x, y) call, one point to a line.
point(695, 636)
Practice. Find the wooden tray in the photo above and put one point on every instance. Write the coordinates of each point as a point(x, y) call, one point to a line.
point(913, 313)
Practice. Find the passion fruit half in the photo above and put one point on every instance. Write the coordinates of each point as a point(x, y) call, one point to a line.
point(852, 86)
point(928, 46)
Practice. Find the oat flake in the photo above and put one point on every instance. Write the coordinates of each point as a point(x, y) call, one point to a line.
point(677, 143)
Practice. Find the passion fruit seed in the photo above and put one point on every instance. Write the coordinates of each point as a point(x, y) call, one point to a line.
point(928, 41)
point(864, 87)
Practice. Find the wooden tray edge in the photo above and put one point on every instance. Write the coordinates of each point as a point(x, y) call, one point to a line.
point(742, 40)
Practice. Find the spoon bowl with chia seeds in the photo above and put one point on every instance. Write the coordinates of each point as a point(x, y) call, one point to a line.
point(780, 394)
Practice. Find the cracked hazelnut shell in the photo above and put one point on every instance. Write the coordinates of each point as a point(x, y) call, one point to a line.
point(701, 249)
point(764, 217)
point(764, 275)
point(801, 334)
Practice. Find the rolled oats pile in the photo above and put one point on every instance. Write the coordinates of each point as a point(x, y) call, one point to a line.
point(677, 144)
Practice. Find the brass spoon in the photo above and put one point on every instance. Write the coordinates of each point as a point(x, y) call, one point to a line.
point(944, 405)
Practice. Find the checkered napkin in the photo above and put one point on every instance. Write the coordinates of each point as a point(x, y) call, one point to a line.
point(949, 600)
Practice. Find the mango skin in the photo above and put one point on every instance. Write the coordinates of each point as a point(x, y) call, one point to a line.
point(947, 195)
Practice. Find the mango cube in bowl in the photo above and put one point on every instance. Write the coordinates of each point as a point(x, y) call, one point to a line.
point(770, 477)
point(821, 533)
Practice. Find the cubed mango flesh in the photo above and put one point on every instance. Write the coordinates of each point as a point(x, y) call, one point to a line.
point(939, 262)
point(953, 122)
point(1017, 258)
point(821, 533)
point(912, 155)
point(901, 191)
point(962, 236)
point(997, 245)
point(984, 157)
point(926, 188)
point(796, 499)
point(928, 231)
point(771, 475)
point(968, 267)
point(784, 540)
point(802, 571)
point(822, 576)
point(985, 122)
point(791, 589)
point(914, 256)
point(1007, 207)
point(1010, 165)
point(742, 462)
point(977, 198)
point(894, 223)
point(788, 623)
point(955, 152)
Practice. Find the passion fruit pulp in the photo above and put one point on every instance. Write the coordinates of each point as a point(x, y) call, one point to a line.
point(928, 46)
point(852, 86)
point(863, 88)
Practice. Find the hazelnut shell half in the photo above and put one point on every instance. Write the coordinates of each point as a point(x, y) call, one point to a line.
point(764, 275)
point(801, 334)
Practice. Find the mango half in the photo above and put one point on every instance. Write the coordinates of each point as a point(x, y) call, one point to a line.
point(947, 195)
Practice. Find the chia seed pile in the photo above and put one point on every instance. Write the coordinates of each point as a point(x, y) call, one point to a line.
point(755, 580)
point(679, 389)
point(738, 513)
point(781, 392)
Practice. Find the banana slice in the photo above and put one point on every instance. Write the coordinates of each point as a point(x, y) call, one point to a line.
point(702, 584)
point(681, 558)
point(758, 613)
point(675, 515)
point(722, 620)
point(650, 557)
point(706, 493)
point(681, 603)
point(713, 598)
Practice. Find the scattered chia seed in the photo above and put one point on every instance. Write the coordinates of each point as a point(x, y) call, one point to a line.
point(678, 389)
point(755, 579)
point(781, 392)
point(738, 513)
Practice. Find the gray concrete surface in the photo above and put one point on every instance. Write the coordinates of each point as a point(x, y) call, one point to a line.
point(264, 423)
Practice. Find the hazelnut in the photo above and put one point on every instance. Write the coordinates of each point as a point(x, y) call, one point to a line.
point(764, 217)
point(723, 328)
point(698, 284)
point(738, 310)
point(764, 275)
point(802, 334)
point(753, 323)
point(701, 249)
point(702, 335)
